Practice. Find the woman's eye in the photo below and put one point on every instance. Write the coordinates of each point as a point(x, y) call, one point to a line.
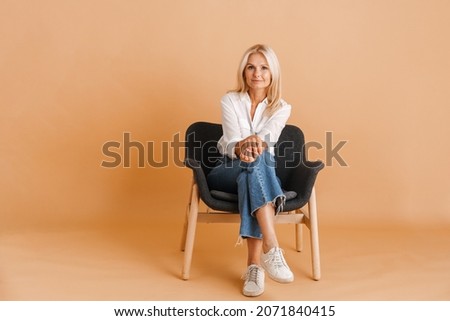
point(265, 68)
point(250, 67)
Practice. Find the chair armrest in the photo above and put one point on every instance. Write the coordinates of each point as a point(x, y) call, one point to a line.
point(199, 176)
point(303, 177)
point(205, 193)
point(192, 164)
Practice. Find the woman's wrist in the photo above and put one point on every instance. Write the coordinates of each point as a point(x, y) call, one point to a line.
point(237, 149)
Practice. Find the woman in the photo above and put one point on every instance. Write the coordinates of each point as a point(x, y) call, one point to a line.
point(253, 117)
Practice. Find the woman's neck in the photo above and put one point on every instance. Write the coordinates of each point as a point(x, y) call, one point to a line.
point(257, 96)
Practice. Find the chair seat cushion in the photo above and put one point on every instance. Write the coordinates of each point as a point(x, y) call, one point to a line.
point(229, 197)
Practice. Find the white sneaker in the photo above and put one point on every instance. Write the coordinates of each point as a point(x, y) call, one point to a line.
point(254, 281)
point(274, 263)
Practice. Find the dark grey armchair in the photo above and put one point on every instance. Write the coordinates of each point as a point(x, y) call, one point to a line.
point(296, 173)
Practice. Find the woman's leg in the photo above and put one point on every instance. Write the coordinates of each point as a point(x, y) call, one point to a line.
point(265, 216)
point(260, 192)
point(259, 227)
point(265, 252)
point(223, 177)
point(266, 220)
point(254, 248)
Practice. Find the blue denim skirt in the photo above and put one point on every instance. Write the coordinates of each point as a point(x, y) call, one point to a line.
point(256, 185)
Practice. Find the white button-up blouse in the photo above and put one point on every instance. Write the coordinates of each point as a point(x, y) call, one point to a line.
point(237, 123)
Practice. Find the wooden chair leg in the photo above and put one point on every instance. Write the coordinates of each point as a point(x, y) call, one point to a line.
point(185, 225)
point(190, 232)
point(299, 237)
point(314, 234)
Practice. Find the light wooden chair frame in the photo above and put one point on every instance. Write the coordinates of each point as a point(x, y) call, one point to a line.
point(307, 215)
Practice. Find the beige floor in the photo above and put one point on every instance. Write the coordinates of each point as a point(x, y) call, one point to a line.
point(143, 262)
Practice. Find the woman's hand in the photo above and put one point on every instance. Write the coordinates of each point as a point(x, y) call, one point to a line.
point(250, 148)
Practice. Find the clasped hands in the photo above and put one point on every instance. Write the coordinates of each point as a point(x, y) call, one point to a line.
point(250, 148)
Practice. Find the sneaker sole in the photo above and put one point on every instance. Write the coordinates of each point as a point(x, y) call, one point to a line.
point(252, 294)
point(290, 280)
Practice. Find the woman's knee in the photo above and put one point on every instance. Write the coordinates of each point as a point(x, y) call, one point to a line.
point(265, 160)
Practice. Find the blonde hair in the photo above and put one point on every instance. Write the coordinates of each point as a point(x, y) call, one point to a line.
point(274, 90)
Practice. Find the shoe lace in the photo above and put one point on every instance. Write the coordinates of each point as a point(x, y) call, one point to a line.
point(251, 275)
point(277, 259)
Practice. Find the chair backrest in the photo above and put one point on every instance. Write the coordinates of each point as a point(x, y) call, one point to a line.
point(289, 152)
point(201, 145)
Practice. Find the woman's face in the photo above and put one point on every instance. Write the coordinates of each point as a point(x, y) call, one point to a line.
point(257, 73)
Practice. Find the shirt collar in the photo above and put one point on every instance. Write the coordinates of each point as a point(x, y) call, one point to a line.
point(246, 98)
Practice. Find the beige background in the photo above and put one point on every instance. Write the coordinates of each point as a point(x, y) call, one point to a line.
point(77, 74)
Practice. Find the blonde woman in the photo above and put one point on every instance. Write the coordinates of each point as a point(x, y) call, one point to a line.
point(253, 117)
